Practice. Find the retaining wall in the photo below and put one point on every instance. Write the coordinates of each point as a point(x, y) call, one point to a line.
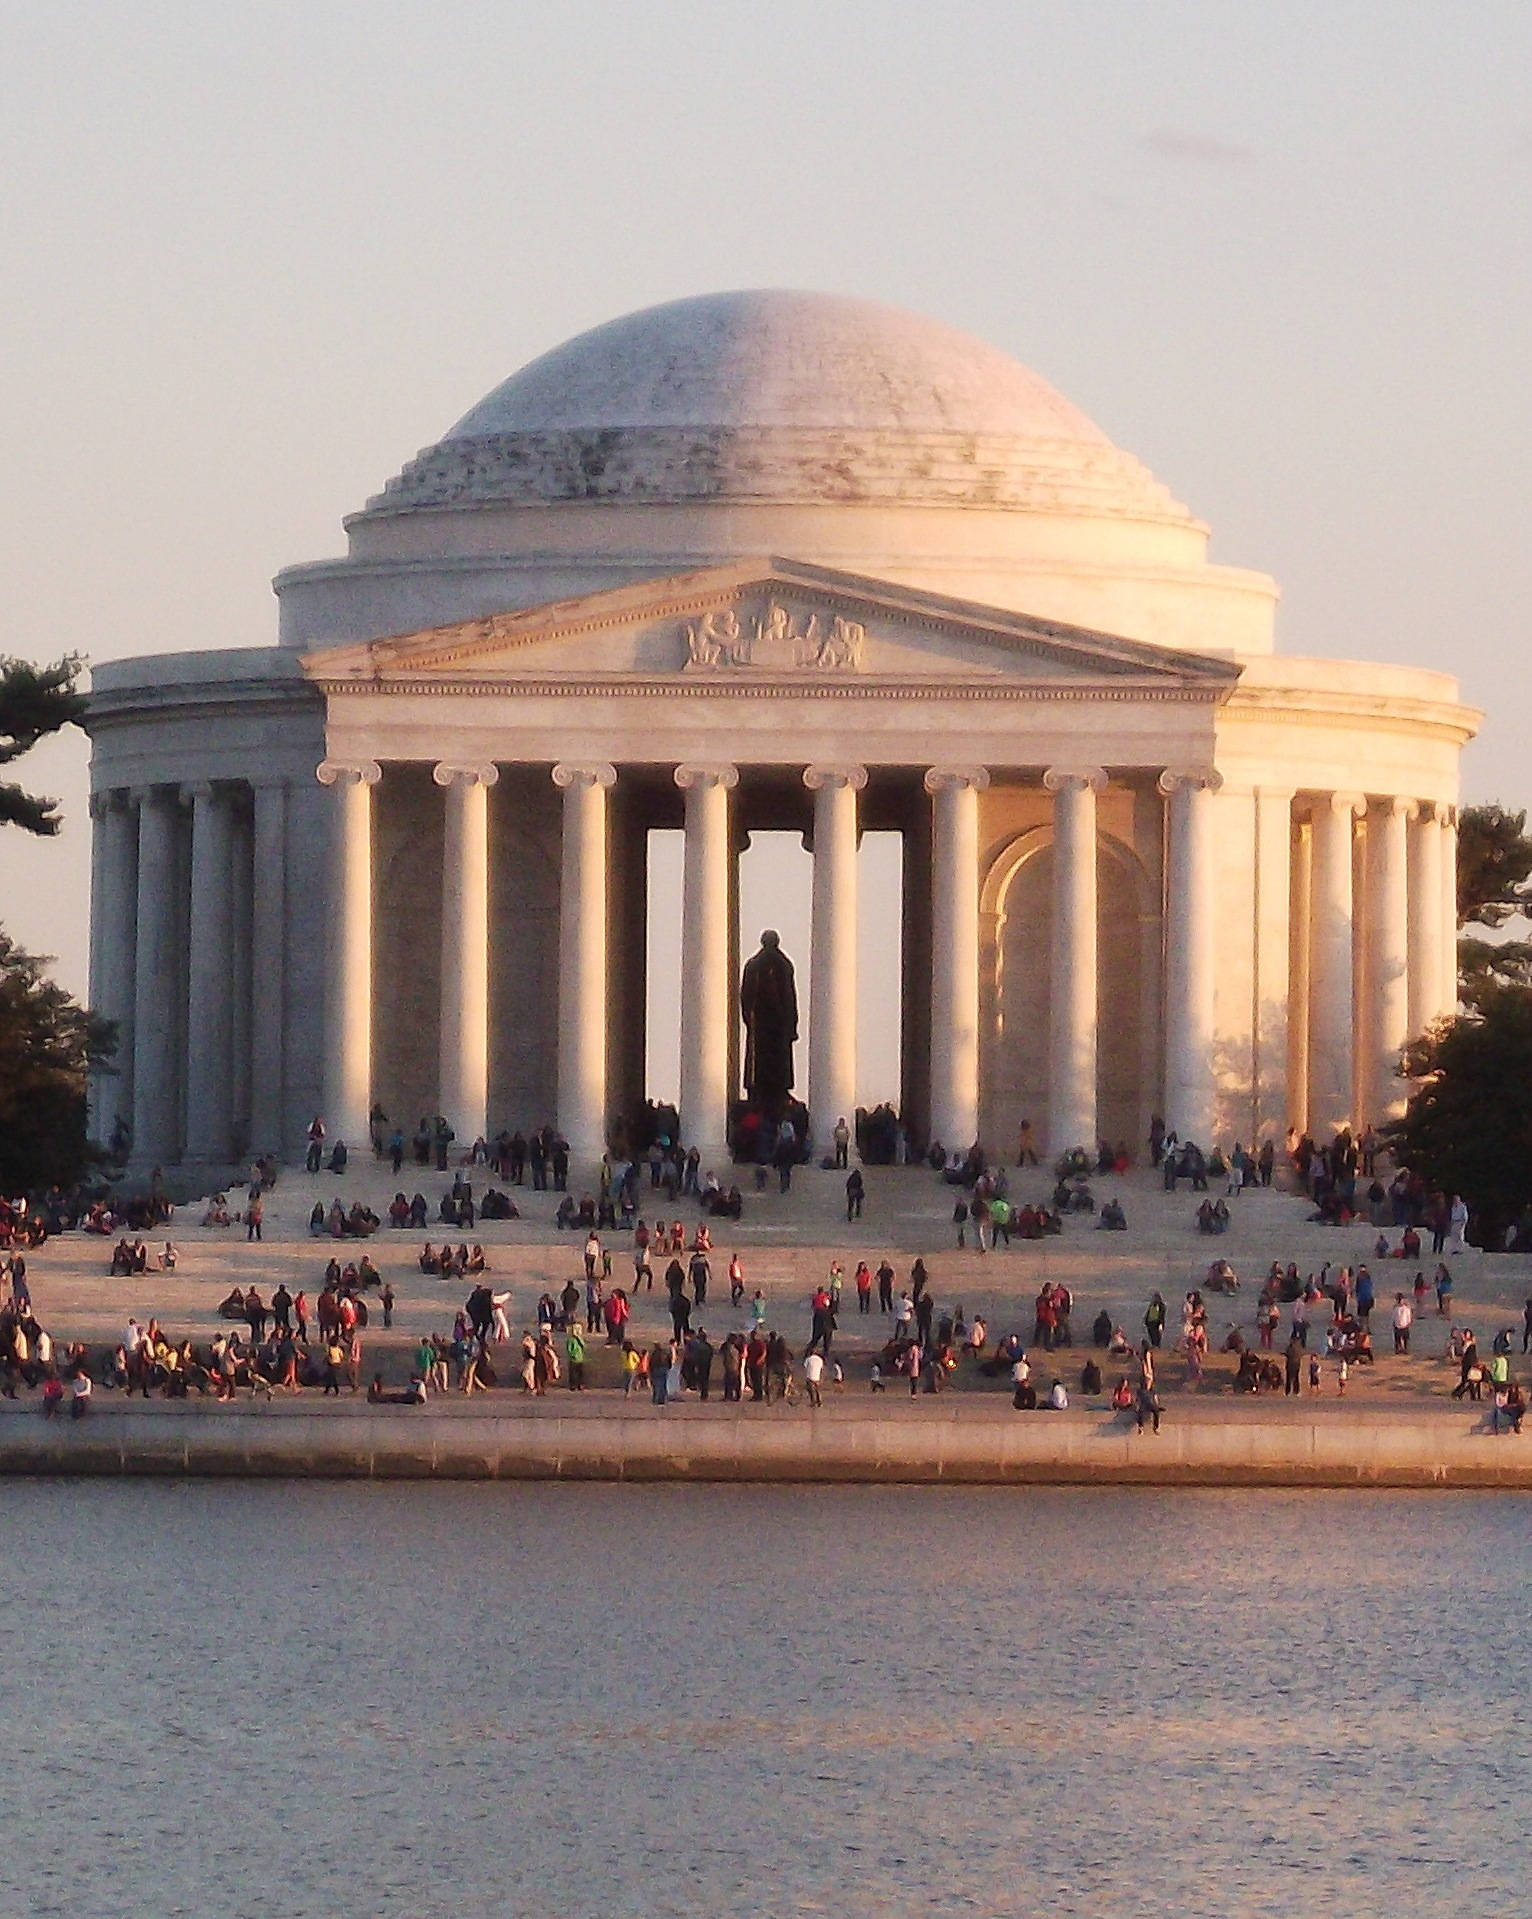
point(701, 1445)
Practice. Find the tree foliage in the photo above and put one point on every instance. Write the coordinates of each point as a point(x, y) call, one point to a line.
point(34, 702)
point(48, 1045)
point(1485, 965)
point(1468, 1129)
point(1494, 865)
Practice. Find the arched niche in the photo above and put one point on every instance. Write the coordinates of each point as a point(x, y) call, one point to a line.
point(1016, 933)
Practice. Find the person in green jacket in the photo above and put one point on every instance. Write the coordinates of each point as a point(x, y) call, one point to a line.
point(574, 1352)
point(1154, 1320)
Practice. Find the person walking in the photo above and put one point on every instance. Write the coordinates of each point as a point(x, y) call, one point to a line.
point(842, 1138)
point(1292, 1383)
point(1154, 1319)
point(255, 1213)
point(856, 1192)
point(1404, 1318)
point(813, 1373)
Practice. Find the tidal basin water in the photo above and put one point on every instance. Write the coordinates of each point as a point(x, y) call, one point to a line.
point(366, 1700)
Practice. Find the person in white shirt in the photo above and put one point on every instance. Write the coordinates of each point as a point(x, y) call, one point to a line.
point(813, 1373)
point(1404, 1318)
point(79, 1403)
point(1058, 1399)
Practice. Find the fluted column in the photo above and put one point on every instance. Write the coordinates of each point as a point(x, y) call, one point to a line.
point(155, 1126)
point(1448, 815)
point(113, 916)
point(463, 1032)
point(1332, 1005)
point(348, 998)
point(1191, 1078)
point(583, 957)
point(210, 979)
point(955, 953)
point(1388, 972)
point(268, 965)
point(705, 983)
point(1425, 887)
point(1072, 981)
point(832, 1017)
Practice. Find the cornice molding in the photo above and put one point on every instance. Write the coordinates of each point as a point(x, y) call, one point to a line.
point(757, 686)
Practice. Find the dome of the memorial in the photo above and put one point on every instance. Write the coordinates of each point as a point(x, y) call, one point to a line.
point(780, 396)
point(779, 359)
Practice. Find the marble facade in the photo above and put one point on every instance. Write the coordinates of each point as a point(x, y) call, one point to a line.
point(1149, 864)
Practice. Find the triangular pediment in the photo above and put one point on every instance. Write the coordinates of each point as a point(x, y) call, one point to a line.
point(769, 619)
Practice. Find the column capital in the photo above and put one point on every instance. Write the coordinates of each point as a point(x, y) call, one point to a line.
point(815, 777)
point(698, 775)
point(1394, 806)
point(584, 773)
point(194, 790)
point(109, 799)
point(153, 793)
point(1057, 778)
point(939, 778)
point(345, 772)
point(451, 773)
point(1204, 778)
point(1348, 805)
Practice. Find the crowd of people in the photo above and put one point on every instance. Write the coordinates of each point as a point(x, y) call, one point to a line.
point(923, 1344)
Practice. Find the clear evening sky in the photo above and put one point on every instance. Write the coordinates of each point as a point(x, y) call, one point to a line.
point(256, 256)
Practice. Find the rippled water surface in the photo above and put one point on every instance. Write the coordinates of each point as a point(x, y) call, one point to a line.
point(428, 1700)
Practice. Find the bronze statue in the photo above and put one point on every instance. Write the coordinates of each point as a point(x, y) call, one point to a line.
point(768, 1003)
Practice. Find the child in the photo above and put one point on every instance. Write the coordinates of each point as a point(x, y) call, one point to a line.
point(876, 1379)
point(837, 1377)
point(1313, 1372)
point(1343, 1376)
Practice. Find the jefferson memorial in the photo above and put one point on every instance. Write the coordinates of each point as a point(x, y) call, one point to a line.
point(767, 561)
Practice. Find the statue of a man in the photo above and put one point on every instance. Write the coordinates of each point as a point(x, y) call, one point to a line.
point(768, 1003)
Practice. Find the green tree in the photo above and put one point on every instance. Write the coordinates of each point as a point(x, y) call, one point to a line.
point(48, 1045)
point(1468, 1128)
point(1494, 865)
point(34, 702)
point(1493, 875)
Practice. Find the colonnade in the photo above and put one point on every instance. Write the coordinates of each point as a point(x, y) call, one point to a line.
point(189, 897)
point(706, 983)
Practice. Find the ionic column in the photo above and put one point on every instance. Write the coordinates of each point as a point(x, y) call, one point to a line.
point(1191, 1080)
point(705, 983)
point(210, 978)
point(1425, 887)
point(348, 997)
point(1448, 815)
point(955, 953)
point(1072, 983)
point(463, 1076)
point(1331, 1002)
point(583, 957)
point(1388, 1006)
point(268, 965)
point(832, 1015)
point(113, 916)
point(155, 979)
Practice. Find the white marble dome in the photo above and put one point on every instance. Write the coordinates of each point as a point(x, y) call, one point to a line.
point(826, 429)
point(779, 359)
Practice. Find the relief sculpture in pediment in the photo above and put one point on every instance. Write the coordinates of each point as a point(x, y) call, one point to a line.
point(775, 641)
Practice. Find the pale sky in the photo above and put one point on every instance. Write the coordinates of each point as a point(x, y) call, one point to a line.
point(255, 257)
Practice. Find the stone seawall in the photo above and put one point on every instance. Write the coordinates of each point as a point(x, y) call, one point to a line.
point(693, 1444)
